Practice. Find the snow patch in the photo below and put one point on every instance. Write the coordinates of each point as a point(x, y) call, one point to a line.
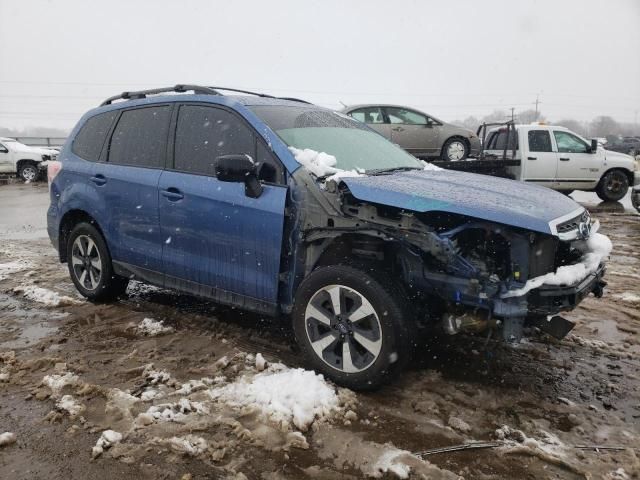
point(70, 405)
point(44, 296)
point(628, 297)
point(430, 167)
point(7, 438)
point(9, 268)
point(151, 327)
point(319, 164)
point(595, 250)
point(57, 382)
point(188, 445)
point(284, 395)
point(106, 440)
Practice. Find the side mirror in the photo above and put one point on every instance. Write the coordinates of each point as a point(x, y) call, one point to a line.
point(239, 168)
point(594, 145)
point(429, 123)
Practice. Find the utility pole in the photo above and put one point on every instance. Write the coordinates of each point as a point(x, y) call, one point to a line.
point(537, 102)
point(512, 110)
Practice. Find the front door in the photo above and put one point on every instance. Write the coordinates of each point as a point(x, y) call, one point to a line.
point(541, 163)
point(413, 131)
point(217, 241)
point(578, 168)
point(6, 162)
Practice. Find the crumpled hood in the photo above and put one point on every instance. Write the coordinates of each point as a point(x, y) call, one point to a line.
point(480, 196)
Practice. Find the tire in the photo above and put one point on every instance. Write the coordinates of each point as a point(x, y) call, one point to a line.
point(379, 343)
point(455, 149)
point(90, 265)
point(613, 186)
point(28, 171)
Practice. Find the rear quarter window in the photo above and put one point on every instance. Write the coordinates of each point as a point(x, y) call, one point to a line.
point(91, 137)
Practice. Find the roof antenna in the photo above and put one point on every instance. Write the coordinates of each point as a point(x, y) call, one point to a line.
point(342, 103)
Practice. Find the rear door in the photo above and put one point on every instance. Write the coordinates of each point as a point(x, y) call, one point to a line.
point(374, 118)
point(413, 131)
point(540, 164)
point(217, 241)
point(578, 168)
point(128, 184)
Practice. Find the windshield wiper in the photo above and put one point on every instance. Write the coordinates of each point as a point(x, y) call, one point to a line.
point(381, 171)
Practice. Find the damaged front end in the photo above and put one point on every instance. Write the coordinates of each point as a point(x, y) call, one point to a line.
point(466, 274)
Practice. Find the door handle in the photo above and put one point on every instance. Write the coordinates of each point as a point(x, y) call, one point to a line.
point(98, 179)
point(172, 194)
point(398, 129)
point(532, 158)
point(564, 159)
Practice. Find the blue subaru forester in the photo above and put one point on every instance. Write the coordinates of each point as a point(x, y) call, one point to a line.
point(193, 190)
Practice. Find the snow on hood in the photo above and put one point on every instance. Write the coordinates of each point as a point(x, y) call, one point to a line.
point(21, 147)
point(480, 196)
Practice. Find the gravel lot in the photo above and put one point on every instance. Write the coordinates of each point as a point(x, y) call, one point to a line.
point(70, 370)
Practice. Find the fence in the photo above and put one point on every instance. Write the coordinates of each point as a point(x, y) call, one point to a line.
point(52, 142)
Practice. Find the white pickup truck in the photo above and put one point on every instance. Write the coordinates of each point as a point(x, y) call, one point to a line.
point(27, 162)
point(557, 158)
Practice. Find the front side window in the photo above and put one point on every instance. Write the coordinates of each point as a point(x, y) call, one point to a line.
point(539, 141)
point(355, 146)
point(91, 137)
point(406, 117)
point(368, 115)
point(140, 138)
point(205, 133)
point(569, 143)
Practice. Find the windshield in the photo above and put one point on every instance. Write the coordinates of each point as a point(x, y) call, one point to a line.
point(352, 143)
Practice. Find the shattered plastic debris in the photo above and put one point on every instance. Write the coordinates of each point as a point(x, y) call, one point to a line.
point(596, 249)
point(151, 327)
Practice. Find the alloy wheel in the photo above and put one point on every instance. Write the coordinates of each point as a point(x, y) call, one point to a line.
point(29, 173)
point(343, 328)
point(86, 262)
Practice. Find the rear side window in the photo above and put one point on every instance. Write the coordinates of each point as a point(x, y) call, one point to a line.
point(140, 138)
point(90, 139)
point(205, 133)
point(539, 141)
point(368, 115)
point(499, 139)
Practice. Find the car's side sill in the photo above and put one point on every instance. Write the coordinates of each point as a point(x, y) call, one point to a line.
point(193, 288)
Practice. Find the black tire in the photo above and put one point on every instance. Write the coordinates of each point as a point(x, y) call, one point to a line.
point(461, 145)
point(613, 186)
point(102, 285)
point(389, 319)
point(28, 171)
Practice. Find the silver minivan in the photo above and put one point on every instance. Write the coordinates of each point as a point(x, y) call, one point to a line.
point(422, 135)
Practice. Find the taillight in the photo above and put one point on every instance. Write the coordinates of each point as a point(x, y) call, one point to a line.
point(53, 168)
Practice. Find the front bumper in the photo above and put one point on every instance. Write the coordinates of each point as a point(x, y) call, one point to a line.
point(551, 299)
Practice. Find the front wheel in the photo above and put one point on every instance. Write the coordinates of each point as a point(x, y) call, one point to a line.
point(352, 326)
point(613, 186)
point(454, 150)
point(90, 265)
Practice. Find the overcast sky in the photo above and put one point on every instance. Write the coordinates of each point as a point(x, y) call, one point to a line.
point(451, 58)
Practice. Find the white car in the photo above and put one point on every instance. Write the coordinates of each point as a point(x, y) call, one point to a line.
point(27, 162)
point(560, 159)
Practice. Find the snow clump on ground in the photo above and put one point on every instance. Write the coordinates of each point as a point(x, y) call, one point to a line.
point(44, 296)
point(152, 328)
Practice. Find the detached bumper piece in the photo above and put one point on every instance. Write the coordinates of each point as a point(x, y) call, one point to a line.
point(549, 300)
point(555, 326)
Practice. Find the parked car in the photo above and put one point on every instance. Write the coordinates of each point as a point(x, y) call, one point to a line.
point(362, 248)
point(25, 161)
point(628, 145)
point(560, 159)
point(422, 135)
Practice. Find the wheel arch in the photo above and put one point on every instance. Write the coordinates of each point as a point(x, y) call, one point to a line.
point(68, 222)
point(627, 172)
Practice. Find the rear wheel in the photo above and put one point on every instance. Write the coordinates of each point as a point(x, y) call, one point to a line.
point(455, 149)
point(613, 186)
point(352, 326)
point(90, 265)
point(28, 171)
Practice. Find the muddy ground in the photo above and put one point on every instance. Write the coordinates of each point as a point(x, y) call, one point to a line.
point(70, 370)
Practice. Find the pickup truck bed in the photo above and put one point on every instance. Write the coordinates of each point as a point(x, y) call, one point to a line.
point(486, 166)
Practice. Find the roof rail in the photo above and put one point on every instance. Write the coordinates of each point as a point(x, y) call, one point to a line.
point(198, 89)
point(154, 91)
